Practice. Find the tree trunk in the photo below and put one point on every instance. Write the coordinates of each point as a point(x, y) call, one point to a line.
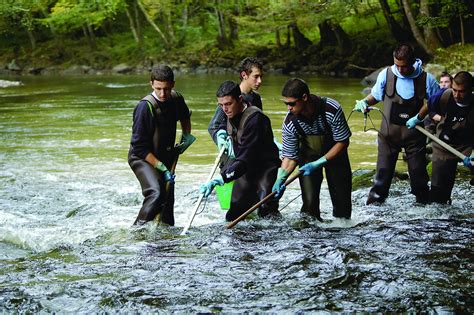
point(461, 24)
point(277, 37)
point(431, 38)
point(398, 32)
point(221, 37)
point(343, 40)
point(91, 36)
point(301, 41)
point(132, 25)
point(149, 20)
point(414, 28)
point(328, 38)
point(288, 37)
point(32, 38)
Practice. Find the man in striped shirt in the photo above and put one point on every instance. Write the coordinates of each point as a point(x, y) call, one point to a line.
point(315, 134)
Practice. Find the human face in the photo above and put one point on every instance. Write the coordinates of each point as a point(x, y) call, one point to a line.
point(294, 105)
point(162, 89)
point(403, 66)
point(230, 105)
point(461, 93)
point(253, 80)
point(444, 82)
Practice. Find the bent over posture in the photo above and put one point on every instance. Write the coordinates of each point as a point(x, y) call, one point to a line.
point(455, 106)
point(315, 134)
point(256, 155)
point(152, 147)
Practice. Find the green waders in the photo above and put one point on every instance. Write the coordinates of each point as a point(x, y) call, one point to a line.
point(338, 175)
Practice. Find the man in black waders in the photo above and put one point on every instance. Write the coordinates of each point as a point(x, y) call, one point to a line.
point(250, 72)
point(402, 87)
point(152, 147)
point(455, 106)
point(256, 155)
point(315, 134)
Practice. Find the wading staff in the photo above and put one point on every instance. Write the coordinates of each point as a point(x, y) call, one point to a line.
point(261, 202)
point(441, 143)
point(211, 174)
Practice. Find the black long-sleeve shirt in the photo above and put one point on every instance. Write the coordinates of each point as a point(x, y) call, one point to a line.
point(256, 148)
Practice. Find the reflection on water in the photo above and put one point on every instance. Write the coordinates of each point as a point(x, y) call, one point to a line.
point(68, 198)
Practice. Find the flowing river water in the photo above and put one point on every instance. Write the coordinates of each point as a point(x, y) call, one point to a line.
point(68, 199)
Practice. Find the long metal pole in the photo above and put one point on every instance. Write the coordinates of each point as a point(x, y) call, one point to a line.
point(194, 211)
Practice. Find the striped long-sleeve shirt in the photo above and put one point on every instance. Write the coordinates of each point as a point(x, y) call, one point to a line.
point(335, 121)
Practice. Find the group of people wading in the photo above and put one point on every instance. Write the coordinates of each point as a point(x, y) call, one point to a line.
point(315, 136)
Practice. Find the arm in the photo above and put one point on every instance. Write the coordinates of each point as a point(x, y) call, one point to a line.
point(215, 123)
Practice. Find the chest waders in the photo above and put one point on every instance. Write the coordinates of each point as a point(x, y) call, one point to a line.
point(157, 200)
point(338, 172)
point(394, 135)
point(444, 163)
point(258, 181)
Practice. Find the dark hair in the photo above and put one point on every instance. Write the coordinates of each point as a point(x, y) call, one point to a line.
point(404, 52)
point(296, 88)
point(463, 78)
point(248, 63)
point(162, 73)
point(229, 88)
point(445, 74)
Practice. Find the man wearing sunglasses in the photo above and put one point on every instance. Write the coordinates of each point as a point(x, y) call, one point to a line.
point(315, 135)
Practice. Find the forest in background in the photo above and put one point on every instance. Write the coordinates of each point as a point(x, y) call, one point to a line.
point(339, 37)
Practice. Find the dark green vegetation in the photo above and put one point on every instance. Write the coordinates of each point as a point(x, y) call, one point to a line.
point(340, 37)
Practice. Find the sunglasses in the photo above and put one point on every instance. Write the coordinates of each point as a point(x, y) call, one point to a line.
point(292, 104)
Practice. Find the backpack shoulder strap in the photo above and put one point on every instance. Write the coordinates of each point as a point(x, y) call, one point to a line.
point(420, 86)
point(444, 100)
point(152, 105)
point(390, 83)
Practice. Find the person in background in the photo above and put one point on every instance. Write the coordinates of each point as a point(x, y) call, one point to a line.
point(455, 106)
point(152, 147)
point(402, 87)
point(251, 73)
point(315, 135)
point(445, 80)
point(254, 168)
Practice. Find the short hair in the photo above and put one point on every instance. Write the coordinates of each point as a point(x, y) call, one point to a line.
point(162, 73)
point(248, 63)
point(296, 88)
point(229, 88)
point(404, 52)
point(447, 75)
point(463, 78)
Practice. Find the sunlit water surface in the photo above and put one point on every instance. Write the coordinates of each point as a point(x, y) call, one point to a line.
point(68, 198)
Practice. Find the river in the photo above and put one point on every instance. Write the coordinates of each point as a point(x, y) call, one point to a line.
point(68, 199)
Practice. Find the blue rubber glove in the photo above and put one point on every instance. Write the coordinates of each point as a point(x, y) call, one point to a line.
point(361, 106)
point(208, 187)
point(279, 185)
point(412, 122)
point(468, 160)
point(310, 167)
point(186, 140)
point(223, 140)
point(160, 166)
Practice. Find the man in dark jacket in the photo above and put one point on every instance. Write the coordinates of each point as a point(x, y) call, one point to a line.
point(256, 155)
point(152, 147)
point(455, 108)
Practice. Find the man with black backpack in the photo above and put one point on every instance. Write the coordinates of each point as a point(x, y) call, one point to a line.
point(315, 135)
point(152, 151)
